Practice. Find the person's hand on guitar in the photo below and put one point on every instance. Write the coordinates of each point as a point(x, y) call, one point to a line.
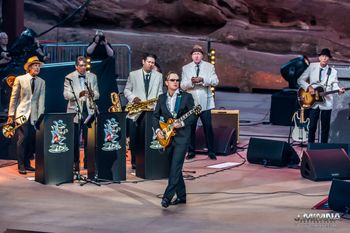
point(311, 90)
point(177, 124)
point(341, 90)
point(160, 134)
point(136, 100)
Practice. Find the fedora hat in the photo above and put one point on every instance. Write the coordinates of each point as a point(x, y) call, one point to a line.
point(325, 52)
point(31, 61)
point(197, 48)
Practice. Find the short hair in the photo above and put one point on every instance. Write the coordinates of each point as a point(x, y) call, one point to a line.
point(146, 55)
point(170, 73)
point(3, 35)
point(80, 58)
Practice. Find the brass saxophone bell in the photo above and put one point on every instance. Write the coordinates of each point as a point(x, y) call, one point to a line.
point(116, 106)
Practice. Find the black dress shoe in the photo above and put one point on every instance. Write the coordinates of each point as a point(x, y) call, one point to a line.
point(30, 168)
point(22, 172)
point(165, 202)
point(178, 201)
point(190, 155)
point(212, 156)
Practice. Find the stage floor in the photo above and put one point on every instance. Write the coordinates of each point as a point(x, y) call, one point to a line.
point(245, 198)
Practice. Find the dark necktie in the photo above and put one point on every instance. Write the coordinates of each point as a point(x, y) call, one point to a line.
point(320, 75)
point(32, 84)
point(197, 70)
point(146, 83)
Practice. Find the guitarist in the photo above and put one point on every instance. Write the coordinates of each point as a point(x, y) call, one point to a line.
point(173, 104)
point(320, 74)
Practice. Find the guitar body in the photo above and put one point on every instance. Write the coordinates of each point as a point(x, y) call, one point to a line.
point(300, 131)
point(168, 131)
point(168, 127)
point(307, 100)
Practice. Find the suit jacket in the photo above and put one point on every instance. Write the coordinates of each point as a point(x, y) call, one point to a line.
point(311, 77)
point(135, 86)
point(72, 106)
point(201, 92)
point(24, 102)
point(183, 134)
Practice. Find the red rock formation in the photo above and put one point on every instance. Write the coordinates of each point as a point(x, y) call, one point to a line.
point(253, 38)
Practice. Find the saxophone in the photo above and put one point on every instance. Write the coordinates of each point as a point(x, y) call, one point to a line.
point(116, 106)
point(8, 129)
point(143, 106)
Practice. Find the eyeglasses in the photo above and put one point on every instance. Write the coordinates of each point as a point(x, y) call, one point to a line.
point(174, 80)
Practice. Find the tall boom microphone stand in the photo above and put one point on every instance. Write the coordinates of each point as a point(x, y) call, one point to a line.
point(77, 174)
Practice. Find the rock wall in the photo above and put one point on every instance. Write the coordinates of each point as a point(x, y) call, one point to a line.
point(253, 38)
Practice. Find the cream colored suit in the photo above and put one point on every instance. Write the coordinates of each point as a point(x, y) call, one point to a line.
point(24, 102)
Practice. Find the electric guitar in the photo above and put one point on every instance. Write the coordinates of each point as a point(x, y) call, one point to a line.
point(168, 127)
point(300, 131)
point(307, 100)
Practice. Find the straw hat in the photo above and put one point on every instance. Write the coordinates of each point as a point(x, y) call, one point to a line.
point(31, 61)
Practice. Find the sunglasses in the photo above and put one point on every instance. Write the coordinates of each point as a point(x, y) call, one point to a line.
point(174, 80)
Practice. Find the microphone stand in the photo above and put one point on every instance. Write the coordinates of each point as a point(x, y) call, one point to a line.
point(77, 174)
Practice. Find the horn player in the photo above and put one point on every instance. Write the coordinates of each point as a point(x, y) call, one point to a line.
point(27, 99)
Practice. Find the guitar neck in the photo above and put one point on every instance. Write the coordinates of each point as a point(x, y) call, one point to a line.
point(332, 92)
point(187, 114)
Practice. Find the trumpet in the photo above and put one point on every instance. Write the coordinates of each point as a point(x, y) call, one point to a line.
point(8, 129)
point(116, 106)
point(142, 106)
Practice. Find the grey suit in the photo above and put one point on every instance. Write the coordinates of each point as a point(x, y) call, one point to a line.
point(135, 87)
point(72, 83)
point(72, 106)
point(31, 105)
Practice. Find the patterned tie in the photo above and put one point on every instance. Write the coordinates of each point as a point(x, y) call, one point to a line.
point(197, 70)
point(32, 84)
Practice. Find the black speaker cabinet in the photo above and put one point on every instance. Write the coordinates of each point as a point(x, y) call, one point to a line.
point(318, 165)
point(271, 153)
point(225, 141)
point(338, 198)
point(226, 132)
point(283, 105)
point(322, 146)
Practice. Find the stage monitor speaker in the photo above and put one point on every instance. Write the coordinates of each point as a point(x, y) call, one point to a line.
point(319, 165)
point(222, 118)
point(225, 141)
point(338, 198)
point(322, 146)
point(283, 105)
point(271, 153)
point(226, 128)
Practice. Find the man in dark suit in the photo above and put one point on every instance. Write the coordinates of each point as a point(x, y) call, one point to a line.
point(174, 104)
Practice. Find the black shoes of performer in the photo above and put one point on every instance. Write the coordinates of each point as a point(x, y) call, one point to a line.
point(22, 171)
point(76, 166)
point(165, 202)
point(212, 156)
point(178, 201)
point(30, 168)
point(190, 155)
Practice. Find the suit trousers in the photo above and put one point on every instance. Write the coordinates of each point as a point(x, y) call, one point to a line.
point(205, 117)
point(25, 144)
point(79, 129)
point(176, 183)
point(325, 124)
